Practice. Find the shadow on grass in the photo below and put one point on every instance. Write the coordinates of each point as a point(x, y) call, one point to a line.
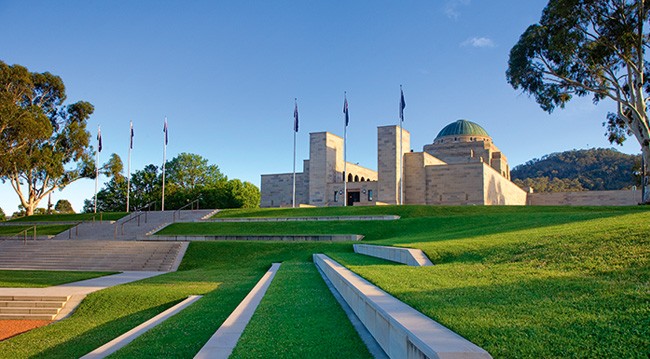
point(93, 338)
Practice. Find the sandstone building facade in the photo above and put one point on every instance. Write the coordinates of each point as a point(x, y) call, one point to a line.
point(462, 166)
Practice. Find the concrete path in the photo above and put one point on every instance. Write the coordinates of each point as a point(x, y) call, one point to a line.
point(78, 290)
point(224, 340)
point(126, 338)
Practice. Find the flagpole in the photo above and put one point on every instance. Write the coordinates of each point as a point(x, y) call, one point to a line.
point(295, 130)
point(163, 166)
point(345, 149)
point(99, 136)
point(401, 152)
point(128, 173)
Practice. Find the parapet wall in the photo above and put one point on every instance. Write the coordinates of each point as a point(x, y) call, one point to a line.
point(586, 198)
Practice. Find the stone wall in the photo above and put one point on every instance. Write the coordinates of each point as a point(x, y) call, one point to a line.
point(498, 190)
point(361, 172)
point(365, 188)
point(277, 189)
point(388, 161)
point(415, 177)
point(586, 198)
point(455, 184)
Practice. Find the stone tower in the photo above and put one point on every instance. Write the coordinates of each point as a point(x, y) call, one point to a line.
point(388, 162)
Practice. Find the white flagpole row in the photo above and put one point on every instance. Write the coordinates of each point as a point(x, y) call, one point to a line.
point(99, 149)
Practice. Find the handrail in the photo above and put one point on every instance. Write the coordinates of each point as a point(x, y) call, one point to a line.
point(146, 206)
point(76, 230)
point(24, 233)
point(135, 216)
point(185, 206)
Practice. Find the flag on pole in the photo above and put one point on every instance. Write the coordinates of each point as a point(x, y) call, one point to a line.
point(345, 111)
point(295, 118)
point(402, 104)
point(99, 139)
point(131, 145)
point(166, 132)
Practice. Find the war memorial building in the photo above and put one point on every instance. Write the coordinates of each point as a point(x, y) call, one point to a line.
point(461, 167)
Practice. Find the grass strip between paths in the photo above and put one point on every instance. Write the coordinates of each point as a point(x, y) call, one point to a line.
point(71, 217)
point(41, 230)
point(41, 279)
point(298, 317)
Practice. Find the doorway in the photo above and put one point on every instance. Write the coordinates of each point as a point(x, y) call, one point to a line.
point(353, 196)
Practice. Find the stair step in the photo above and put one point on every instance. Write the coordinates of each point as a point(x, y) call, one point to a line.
point(51, 311)
point(27, 304)
point(27, 316)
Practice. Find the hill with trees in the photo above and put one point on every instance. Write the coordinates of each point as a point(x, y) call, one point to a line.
point(593, 169)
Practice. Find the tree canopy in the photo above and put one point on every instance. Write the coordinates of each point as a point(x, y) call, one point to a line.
point(63, 206)
point(593, 169)
point(589, 47)
point(44, 144)
point(188, 177)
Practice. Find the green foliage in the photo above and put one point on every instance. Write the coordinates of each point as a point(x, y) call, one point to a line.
point(3, 217)
point(188, 177)
point(44, 144)
point(189, 171)
point(594, 169)
point(63, 206)
point(589, 47)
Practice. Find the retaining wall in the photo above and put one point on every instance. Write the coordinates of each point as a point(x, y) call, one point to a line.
point(408, 256)
point(401, 331)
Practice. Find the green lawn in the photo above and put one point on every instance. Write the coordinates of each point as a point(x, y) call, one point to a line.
point(73, 217)
point(518, 281)
point(41, 230)
point(39, 279)
point(303, 318)
point(223, 272)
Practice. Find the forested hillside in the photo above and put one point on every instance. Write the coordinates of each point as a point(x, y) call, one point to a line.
point(579, 170)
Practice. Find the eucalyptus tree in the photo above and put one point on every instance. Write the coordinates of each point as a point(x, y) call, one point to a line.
point(44, 144)
point(589, 48)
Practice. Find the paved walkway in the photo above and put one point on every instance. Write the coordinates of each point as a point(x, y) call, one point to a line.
point(78, 290)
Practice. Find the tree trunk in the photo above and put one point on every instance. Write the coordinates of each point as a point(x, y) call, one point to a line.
point(645, 179)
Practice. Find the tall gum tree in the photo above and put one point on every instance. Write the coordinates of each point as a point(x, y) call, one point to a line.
point(44, 144)
point(589, 48)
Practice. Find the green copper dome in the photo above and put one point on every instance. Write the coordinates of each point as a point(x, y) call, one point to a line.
point(462, 128)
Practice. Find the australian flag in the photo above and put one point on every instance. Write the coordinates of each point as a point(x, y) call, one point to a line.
point(402, 104)
point(166, 132)
point(131, 145)
point(295, 118)
point(345, 111)
point(99, 139)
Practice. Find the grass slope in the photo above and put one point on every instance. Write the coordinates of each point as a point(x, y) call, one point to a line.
point(303, 318)
point(41, 230)
point(223, 272)
point(40, 279)
point(71, 217)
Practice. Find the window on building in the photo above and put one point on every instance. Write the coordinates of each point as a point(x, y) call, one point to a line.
point(336, 196)
point(356, 178)
point(350, 177)
point(369, 195)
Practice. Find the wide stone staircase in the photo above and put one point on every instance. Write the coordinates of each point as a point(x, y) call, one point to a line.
point(91, 255)
point(135, 226)
point(31, 307)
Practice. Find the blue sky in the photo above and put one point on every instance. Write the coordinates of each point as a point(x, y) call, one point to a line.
point(226, 75)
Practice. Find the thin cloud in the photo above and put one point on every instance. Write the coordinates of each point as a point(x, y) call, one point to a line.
point(480, 42)
point(452, 8)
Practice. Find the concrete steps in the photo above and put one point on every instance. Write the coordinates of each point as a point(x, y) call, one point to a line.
point(31, 307)
point(97, 255)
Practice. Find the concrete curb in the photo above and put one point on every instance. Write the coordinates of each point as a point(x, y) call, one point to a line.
point(304, 219)
point(284, 238)
point(126, 338)
point(400, 330)
point(224, 340)
point(408, 256)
